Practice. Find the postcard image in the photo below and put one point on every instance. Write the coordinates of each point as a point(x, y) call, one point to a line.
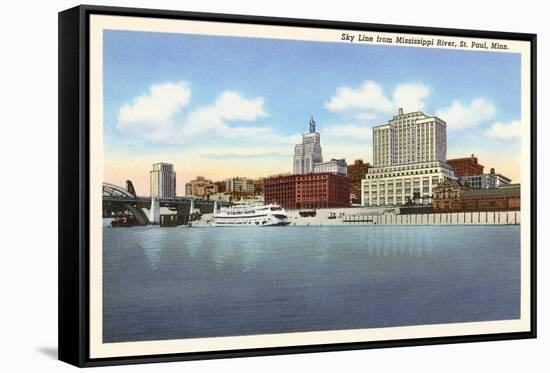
point(267, 187)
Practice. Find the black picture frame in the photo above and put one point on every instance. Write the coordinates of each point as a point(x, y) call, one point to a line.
point(74, 167)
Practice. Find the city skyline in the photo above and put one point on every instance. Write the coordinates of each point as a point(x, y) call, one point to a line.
point(186, 108)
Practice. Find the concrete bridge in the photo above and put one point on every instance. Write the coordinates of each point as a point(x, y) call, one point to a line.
point(119, 202)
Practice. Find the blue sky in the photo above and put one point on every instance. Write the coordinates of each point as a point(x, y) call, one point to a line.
point(221, 106)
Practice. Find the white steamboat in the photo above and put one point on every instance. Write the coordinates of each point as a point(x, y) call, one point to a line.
point(249, 215)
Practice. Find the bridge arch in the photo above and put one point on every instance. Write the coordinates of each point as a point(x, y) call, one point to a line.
point(115, 191)
point(112, 190)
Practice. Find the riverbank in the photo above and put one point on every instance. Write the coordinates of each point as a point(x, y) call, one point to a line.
point(450, 218)
point(366, 216)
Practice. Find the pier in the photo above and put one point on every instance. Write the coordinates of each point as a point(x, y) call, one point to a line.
point(364, 217)
point(468, 217)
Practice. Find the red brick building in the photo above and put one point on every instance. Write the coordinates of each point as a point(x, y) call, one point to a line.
point(306, 191)
point(453, 196)
point(466, 166)
point(357, 172)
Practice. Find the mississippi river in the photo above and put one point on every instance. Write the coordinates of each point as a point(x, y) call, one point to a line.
point(165, 283)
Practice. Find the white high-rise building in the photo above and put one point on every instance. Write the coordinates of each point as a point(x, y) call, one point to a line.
point(409, 159)
point(410, 138)
point(309, 152)
point(163, 181)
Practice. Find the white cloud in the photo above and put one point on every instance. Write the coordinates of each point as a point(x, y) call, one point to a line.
point(348, 131)
point(229, 106)
point(158, 115)
point(410, 97)
point(458, 115)
point(504, 131)
point(232, 106)
point(159, 105)
point(370, 95)
point(150, 116)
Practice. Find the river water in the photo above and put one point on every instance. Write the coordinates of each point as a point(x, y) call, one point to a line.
point(165, 283)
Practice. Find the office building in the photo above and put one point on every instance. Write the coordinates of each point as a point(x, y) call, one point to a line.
point(309, 152)
point(239, 186)
point(163, 181)
point(220, 185)
point(409, 160)
point(308, 191)
point(357, 172)
point(258, 186)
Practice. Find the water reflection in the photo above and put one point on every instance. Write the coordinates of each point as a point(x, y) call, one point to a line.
point(152, 241)
point(246, 246)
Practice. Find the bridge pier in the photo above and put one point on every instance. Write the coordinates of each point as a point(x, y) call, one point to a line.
point(154, 211)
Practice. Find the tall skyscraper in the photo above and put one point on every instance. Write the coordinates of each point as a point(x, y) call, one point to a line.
point(409, 156)
point(163, 181)
point(410, 138)
point(309, 152)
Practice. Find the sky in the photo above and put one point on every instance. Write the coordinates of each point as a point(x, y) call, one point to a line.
point(222, 107)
